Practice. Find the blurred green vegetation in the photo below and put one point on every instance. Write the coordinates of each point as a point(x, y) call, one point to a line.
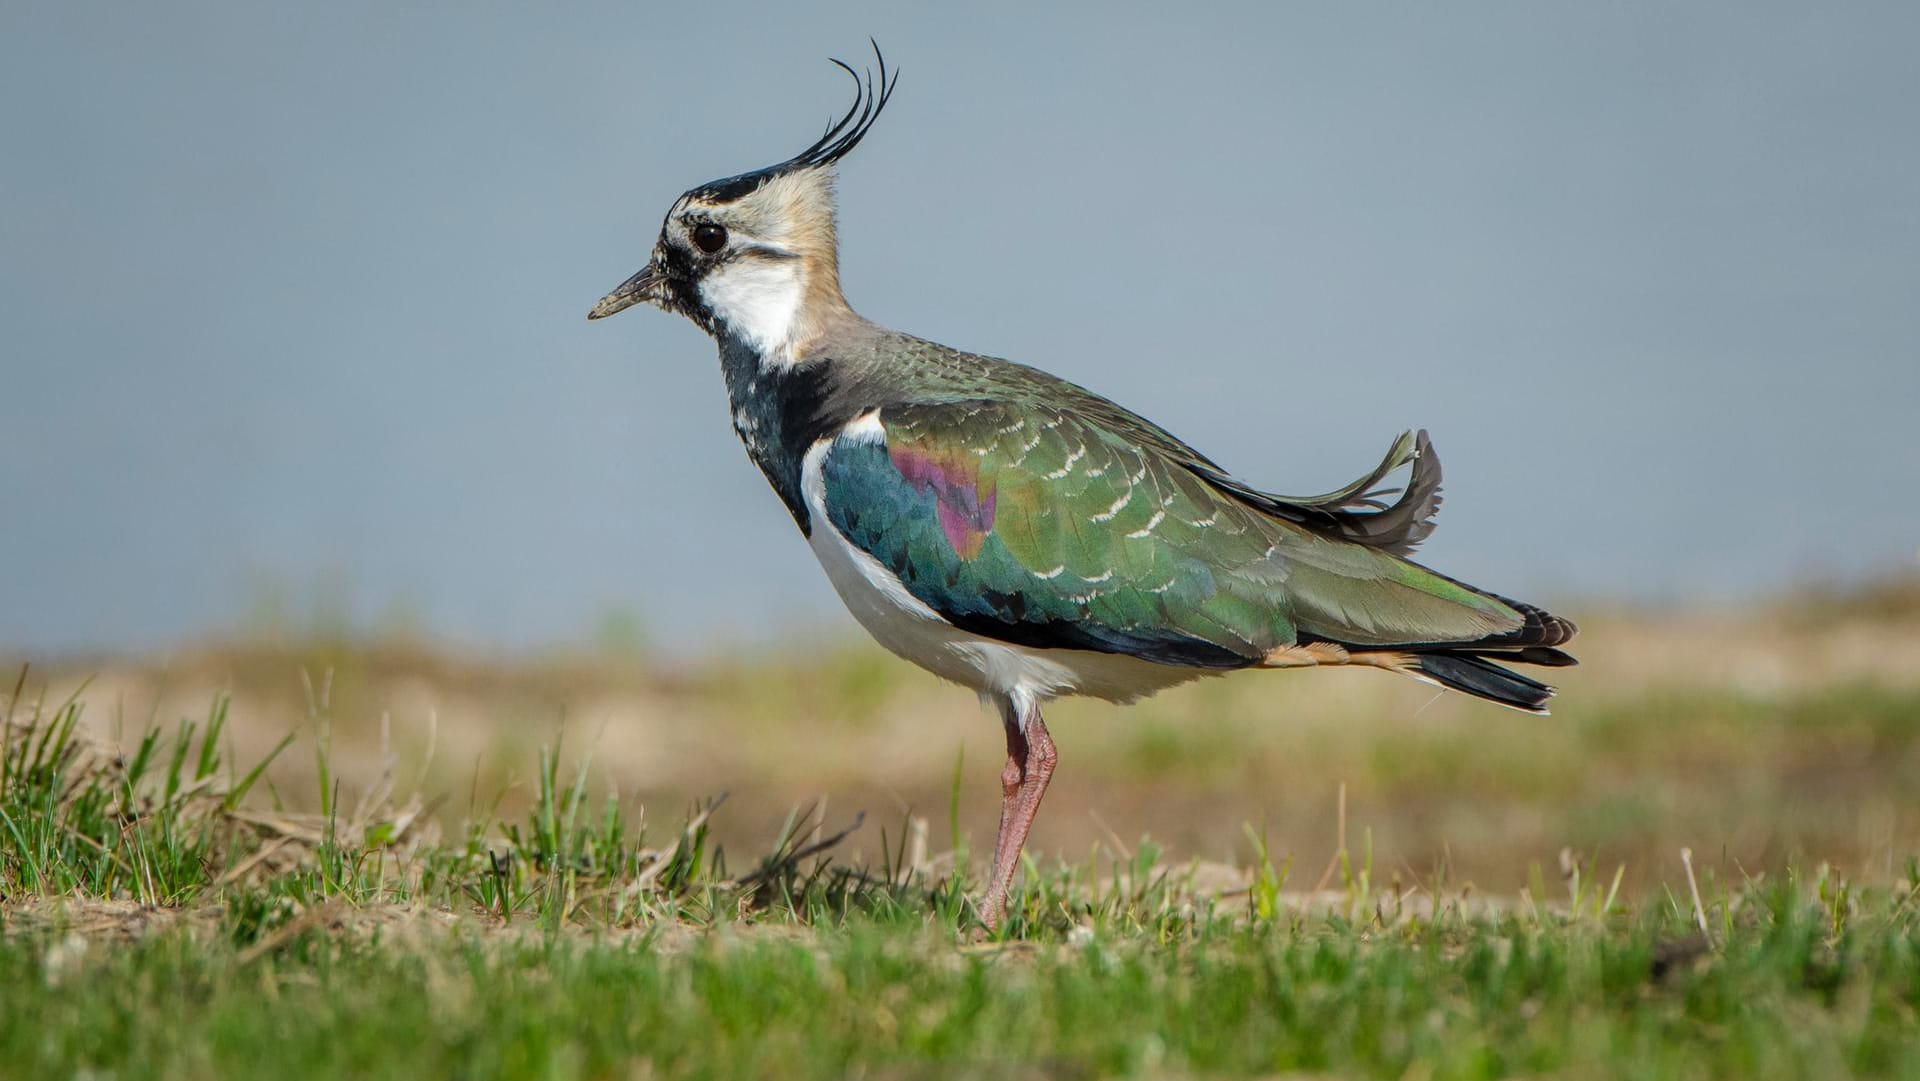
point(1757, 737)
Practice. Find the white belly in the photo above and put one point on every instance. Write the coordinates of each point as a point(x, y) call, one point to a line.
point(903, 624)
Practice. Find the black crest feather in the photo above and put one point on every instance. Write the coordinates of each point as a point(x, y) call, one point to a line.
point(839, 140)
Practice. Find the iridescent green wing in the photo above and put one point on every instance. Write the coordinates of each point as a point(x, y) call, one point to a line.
point(1042, 527)
point(1036, 526)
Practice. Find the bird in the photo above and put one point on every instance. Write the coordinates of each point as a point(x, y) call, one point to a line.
point(1022, 536)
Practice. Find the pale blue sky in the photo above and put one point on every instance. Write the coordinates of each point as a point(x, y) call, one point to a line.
point(294, 298)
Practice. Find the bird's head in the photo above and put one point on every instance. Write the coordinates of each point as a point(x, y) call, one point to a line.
point(755, 256)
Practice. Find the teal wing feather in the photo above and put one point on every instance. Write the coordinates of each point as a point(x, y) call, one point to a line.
point(1044, 526)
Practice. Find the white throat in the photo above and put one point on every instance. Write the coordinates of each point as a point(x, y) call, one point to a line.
point(759, 301)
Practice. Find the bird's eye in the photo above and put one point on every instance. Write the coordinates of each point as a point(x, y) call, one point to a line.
point(709, 237)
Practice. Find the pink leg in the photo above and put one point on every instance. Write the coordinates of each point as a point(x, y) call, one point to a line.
point(1030, 760)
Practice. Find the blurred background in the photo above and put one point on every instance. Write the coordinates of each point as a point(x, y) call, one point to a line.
point(297, 380)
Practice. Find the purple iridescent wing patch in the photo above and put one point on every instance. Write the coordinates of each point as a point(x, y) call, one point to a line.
point(965, 505)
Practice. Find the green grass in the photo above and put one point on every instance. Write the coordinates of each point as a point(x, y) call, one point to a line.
point(1784, 997)
point(164, 914)
point(890, 994)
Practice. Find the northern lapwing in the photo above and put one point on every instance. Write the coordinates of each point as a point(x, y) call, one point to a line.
point(1023, 536)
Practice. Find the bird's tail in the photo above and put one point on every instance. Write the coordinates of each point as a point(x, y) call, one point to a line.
point(1474, 667)
point(1480, 677)
point(1479, 668)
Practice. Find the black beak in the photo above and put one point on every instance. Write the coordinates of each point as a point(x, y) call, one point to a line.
point(642, 287)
